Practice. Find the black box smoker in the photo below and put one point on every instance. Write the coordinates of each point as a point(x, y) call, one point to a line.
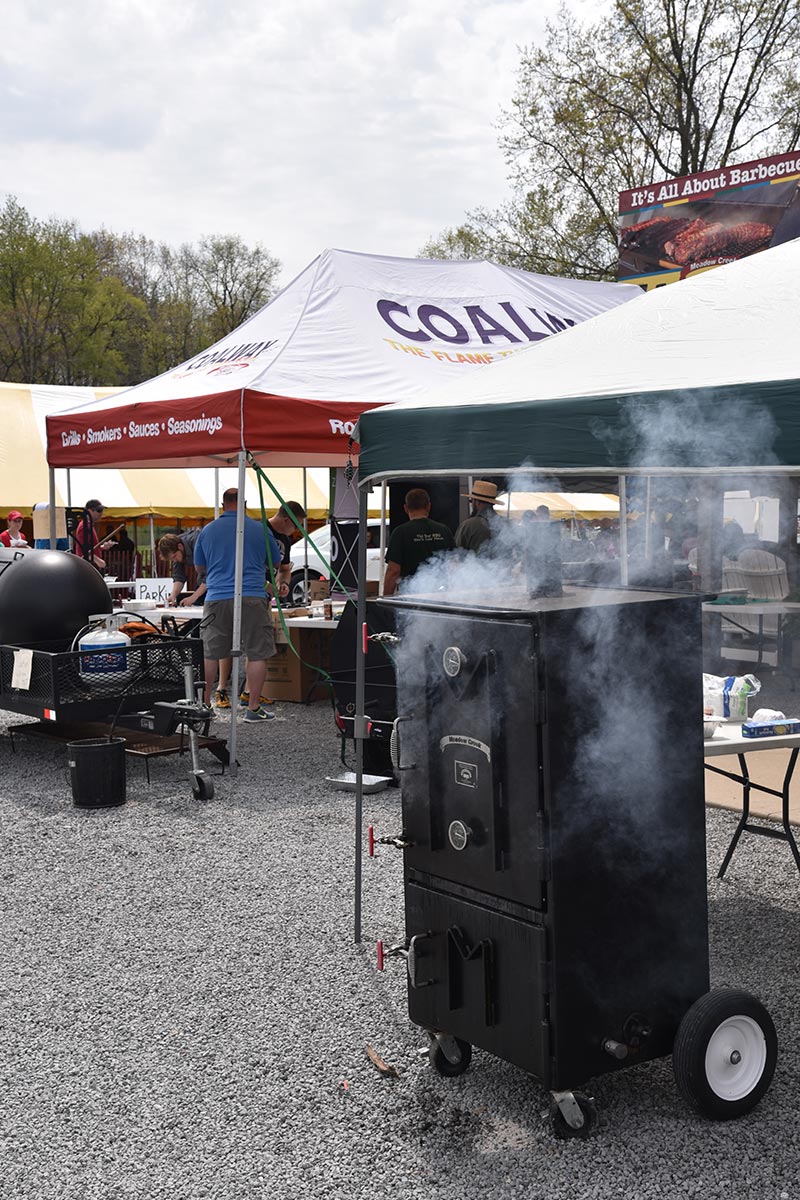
point(550, 752)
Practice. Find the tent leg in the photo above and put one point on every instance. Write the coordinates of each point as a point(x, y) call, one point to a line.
point(236, 647)
point(152, 549)
point(648, 508)
point(52, 513)
point(383, 535)
point(623, 532)
point(216, 492)
point(360, 723)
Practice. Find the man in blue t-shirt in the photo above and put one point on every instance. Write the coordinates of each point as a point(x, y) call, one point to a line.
point(215, 549)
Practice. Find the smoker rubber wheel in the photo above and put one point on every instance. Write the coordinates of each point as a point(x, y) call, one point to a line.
point(203, 787)
point(559, 1124)
point(443, 1066)
point(724, 1053)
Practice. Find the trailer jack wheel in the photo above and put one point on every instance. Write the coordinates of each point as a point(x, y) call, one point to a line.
point(724, 1053)
point(572, 1115)
point(450, 1056)
point(202, 786)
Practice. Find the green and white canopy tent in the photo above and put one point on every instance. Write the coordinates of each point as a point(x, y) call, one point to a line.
point(698, 378)
point(703, 375)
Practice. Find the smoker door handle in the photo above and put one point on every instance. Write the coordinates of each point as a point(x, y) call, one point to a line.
point(394, 746)
point(412, 963)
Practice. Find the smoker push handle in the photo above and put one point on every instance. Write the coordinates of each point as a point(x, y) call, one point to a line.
point(394, 746)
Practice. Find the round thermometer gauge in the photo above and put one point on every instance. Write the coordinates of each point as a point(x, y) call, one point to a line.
point(452, 661)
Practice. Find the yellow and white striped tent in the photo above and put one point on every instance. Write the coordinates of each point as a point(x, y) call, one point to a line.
point(561, 504)
point(171, 492)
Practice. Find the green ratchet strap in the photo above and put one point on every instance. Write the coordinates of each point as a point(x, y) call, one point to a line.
point(260, 475)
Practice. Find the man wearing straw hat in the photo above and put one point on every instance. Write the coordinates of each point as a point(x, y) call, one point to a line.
point(473, 533)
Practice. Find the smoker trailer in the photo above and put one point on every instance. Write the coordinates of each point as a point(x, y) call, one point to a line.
point(551, 761)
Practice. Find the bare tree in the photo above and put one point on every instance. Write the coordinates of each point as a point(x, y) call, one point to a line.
point(654, 89)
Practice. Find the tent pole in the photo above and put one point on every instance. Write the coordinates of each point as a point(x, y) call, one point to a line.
point(623, 532)
point(305, 543)
point(236, 639)
point(52, 513)
point(216, 492)
point(360, 722)
point(648, 505)
point(69, 488)
point(383, 537)
point(152, 549)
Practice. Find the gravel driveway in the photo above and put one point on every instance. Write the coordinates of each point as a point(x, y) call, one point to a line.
point(184, 1013)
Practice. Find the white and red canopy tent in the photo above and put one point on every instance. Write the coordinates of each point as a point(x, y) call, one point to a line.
point(350, 333)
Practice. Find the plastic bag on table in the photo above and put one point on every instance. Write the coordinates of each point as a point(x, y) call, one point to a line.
point(728, 695)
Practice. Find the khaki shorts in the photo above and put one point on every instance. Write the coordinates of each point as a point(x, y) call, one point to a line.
point(216, 628)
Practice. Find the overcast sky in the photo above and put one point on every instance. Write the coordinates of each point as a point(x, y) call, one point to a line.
point(300, 124)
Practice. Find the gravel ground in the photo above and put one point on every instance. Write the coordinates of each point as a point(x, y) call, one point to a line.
point(184, 1013)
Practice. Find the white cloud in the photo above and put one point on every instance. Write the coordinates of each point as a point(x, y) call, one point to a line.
point(297, 123)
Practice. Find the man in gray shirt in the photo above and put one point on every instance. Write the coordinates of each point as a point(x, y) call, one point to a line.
point(473, 533)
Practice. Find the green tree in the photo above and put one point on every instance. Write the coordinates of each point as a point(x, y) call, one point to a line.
point(229, 280)
point(194, 295)
point(60, 320)
point(105, 308)
point(653, 89)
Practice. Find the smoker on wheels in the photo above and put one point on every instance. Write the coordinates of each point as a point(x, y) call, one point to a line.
point(550, 759)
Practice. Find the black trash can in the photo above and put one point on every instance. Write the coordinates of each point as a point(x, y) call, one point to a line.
point(97, 772)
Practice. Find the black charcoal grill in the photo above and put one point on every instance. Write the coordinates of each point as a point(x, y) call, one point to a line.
point(551, 759)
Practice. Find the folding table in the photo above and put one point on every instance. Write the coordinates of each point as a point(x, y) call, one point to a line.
point(728, 740)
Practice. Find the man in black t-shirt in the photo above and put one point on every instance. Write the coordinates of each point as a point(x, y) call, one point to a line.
point(282, 526)
point(414, 542)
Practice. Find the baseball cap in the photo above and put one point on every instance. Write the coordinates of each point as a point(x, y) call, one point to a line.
point(15, 515)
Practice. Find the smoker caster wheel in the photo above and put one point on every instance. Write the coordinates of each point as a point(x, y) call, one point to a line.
point(561, 1127)
point(724, 1053)
point(203, 787)
point(442, 1065)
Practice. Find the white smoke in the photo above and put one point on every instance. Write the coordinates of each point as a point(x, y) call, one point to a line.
point(625, 684)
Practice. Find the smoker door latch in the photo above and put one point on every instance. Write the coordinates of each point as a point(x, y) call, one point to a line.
point(394, 745)
point(399, 841)
point(409, 953)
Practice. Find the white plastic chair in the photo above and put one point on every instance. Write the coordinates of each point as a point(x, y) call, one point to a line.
point(765, 577)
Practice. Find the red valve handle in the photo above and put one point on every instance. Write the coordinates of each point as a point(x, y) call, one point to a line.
point(364, 639)
point(379, 951)
point(371, 840)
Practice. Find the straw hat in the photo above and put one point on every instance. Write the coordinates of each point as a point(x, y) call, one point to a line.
point(483, 491)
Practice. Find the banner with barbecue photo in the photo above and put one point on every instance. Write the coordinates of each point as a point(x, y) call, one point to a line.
point(674, 228)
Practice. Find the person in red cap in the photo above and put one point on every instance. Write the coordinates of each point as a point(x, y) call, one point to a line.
point(13, 536)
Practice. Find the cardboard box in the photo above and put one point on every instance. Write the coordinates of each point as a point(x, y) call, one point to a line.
point(277, 624)
point(290, 679)
point(318, 589)
point(371, 587)
point(41, 522)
